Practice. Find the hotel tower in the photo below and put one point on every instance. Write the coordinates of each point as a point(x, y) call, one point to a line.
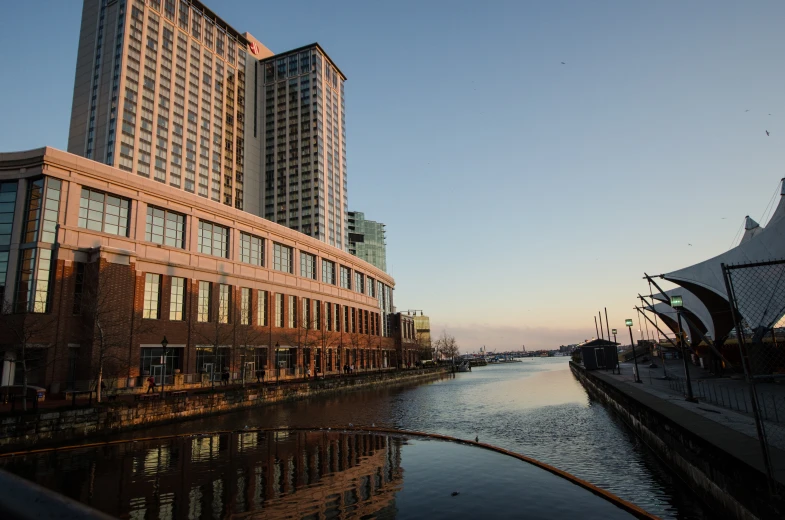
point(169, 91)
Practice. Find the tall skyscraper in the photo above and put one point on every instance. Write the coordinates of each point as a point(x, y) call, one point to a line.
point(367, 240)
point(167, 90)
point(305, 186)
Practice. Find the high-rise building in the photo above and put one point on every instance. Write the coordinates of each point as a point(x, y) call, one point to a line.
point(167, 90)
point(366, 240)
point(305, 186)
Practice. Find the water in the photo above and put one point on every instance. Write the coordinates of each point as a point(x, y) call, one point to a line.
point(535, 407)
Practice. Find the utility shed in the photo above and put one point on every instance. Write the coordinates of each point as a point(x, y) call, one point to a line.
point(599, 353)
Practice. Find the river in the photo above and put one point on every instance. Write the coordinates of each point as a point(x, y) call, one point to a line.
point(535, 407)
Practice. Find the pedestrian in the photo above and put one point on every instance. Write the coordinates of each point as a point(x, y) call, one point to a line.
point(259, 373)
point(225, 376)
point(351, 370)
point(308, 373)
point(150, 384)
point(262, 371)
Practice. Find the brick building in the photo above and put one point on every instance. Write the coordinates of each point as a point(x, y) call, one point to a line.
point(98, 265)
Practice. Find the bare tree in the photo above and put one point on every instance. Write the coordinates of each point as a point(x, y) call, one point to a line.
point(109, 324)
point(32, 335)
point(325, 339)
point(446, 346)
point(217, 332)
point(245, 334)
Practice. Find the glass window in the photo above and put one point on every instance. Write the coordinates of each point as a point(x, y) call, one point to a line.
point(177, 299)
point(305, 314)
point(279, 310)
point(317, 318)
point(251, 249)
point(261, 308)
point(213, 239)
point(100, 211)
point(292, 310)
point(203, 305)
point(32, 291)
point(224, 297)
point(41, 211)
point(346, 278)
point(307, 265)
point(359, 282)
point(329, 312)
point(371, 287)
point(282, 258)
point(245, 306)
point(152, 296)
point(165, 227)
point(328, 272)
point(7, 206)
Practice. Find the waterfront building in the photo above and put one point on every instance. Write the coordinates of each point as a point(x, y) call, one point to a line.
point(405, 339)
point(422, 329)
point(102, 264)
point(305, 183)
point(168, 91)
point(367, 240)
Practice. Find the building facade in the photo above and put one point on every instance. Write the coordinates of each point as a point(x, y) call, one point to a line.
point(167, 90)
point(305, 183)
point(98, 265)
point(367, 240)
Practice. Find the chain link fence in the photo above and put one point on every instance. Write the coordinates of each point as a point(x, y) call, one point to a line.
point(756, 292)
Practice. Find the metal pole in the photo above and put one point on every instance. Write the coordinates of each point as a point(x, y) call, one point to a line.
point(596, 330)
point(607, 329)
point(634, 357)
point(690, 397)
point(601, 333)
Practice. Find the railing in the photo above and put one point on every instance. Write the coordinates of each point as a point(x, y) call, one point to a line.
point(771, 404)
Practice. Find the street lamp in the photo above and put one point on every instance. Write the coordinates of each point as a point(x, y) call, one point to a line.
point(613, 331)
point(677, 303)
point(164, 343)
point(634, 356)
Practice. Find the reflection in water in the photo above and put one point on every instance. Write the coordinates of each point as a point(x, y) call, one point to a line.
point(307, 474)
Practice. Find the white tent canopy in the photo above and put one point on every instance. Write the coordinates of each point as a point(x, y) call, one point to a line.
point(692, 305)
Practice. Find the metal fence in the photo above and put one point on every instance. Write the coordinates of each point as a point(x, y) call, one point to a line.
point(756, 292)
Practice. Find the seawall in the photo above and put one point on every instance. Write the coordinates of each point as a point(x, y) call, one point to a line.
point(720, 465)
point(63, 426)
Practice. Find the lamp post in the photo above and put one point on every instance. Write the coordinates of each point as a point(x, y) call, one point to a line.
point(634, 356)
point(613, 331)
point(164, 343)
point(677, 303)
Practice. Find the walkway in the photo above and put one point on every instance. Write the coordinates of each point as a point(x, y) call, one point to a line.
point(720, 399)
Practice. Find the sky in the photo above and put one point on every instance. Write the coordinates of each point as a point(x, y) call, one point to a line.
point(521, 195)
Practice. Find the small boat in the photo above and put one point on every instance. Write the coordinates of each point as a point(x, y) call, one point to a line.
point(466, 366)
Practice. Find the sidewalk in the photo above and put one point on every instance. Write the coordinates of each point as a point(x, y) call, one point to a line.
point(733, 392)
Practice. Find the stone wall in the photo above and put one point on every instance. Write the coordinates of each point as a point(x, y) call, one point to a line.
point(62, 426)
point(717, 464)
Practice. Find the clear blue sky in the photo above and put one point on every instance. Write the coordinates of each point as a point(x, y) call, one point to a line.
point(520, 195)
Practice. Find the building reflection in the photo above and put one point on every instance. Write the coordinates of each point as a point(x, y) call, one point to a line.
point(315, 474)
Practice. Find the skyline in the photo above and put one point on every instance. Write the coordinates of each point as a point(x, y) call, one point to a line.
point(644, 102)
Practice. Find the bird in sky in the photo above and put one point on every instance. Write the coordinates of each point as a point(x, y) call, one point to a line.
point(747, 110)
point(767, 132)
point(563, 63)
point(689, 244)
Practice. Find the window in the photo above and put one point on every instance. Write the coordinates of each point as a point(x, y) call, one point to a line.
point(359, 282)
point(317, 319)
point(371, 287)
point(307, 265)
point(292, 312)
point(165, 227)
point(279, 310)
point(328, 272)
point(346, 279)
point(282, 258)
point(245, 306)
point(7, 206)
point(41, 212)
point(177, 299)
point(152, 296)
point(329, 313)
point(346, 318)
point(100, 211)
point(203, 305)
point(32, 288)
point(79, 268)
point(306, 319)
point(261, 308)
point(213, 239)
point(251, 249)
point(224, 297)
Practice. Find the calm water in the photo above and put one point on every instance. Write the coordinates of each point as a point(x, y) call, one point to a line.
point(535, 407)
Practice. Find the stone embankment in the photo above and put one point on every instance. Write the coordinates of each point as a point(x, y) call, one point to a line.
point(24, 431)
point(718, 464)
